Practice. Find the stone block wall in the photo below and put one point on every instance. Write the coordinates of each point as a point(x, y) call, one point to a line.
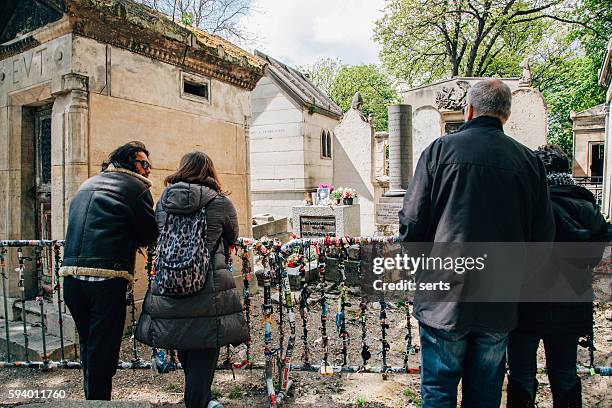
point(102, 97)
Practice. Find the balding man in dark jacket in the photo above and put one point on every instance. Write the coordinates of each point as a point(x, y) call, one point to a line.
point(476, 185)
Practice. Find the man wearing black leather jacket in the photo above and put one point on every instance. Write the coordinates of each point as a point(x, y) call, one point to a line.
point(109, 218)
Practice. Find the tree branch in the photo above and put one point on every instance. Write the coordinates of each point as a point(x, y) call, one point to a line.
point(562, 20)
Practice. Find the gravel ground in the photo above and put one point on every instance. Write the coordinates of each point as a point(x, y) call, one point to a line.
point(310, 389)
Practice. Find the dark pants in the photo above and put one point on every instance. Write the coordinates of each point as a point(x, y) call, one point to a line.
point(476, 358)
point(98, 310)
point(560, 352)
point(199, 367)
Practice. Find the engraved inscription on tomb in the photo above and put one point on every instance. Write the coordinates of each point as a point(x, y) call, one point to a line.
point(387, 213)
point(312, 227)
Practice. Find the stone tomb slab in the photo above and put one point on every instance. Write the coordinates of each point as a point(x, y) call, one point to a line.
point(387, 210)
point(315, 221)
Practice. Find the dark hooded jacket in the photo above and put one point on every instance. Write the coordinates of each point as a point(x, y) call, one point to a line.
point(212, 317)
point(577, 220)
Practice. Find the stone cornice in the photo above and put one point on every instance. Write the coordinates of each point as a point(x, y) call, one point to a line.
point(182, 47)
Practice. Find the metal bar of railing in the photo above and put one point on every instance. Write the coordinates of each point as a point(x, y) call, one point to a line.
point(21, 285)
point(57, 289)
point(40, 298)
point(3, 252)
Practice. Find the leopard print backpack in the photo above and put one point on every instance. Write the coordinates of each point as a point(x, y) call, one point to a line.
point(182, 256)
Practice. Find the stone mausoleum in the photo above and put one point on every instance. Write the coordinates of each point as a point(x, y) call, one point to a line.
point(589, 131)
point(437, 110)
point(81, 77)
point(291, 134)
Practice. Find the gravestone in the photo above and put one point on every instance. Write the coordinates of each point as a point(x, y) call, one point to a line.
point(529, 118)
point(314, 221)
point(437, 111)
point(426, 128)
point(317, 226)
point(400, 169)
point(354, 161)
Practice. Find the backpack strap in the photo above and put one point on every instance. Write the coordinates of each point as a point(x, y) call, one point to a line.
point(211, 264)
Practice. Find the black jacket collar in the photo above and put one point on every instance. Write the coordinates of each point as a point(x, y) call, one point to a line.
point(482, 121)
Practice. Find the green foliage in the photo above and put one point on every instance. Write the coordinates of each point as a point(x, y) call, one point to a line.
point(569, 77)
point(341, 82)
point(322, 72)
point(235, 392)
point(361, 401)
point(375, 87)
point(576, 89)
point(216, 392)
point(187, 18)
point(412, 397)
point(426, 40)
point(565, 40)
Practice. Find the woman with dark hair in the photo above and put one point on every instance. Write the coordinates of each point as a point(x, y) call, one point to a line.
point(197, 325)
point(558, 325)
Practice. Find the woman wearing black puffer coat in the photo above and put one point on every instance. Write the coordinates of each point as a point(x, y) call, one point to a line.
point(558, 325)
point(197, 326)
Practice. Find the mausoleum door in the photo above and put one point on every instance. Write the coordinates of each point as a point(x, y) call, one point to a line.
point(597, 161)
point(42, 123)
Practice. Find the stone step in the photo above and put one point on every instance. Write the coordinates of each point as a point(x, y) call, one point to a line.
point(311, 273)
point(32, 310)
point(51, 318)
point(35, 344)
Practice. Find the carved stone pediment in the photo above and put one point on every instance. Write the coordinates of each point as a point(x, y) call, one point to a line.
point(452, 97)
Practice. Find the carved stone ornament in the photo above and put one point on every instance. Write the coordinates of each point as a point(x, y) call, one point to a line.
point(357, 102)
point(452, 98)
point(526, 76)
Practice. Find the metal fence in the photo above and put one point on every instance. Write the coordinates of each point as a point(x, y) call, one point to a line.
point(594, 185)
point(273, 257)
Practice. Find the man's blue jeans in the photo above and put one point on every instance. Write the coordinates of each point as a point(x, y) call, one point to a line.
point(476, 358)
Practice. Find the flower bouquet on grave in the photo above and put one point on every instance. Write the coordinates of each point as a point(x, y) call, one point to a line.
point(337, 195)
point(348, 194)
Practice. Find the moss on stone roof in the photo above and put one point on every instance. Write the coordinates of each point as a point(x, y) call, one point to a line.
point(149, 19)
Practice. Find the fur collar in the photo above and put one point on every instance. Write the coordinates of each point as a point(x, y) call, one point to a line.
point(112, 169)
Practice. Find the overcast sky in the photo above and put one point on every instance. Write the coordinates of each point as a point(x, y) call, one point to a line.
point(298, 32)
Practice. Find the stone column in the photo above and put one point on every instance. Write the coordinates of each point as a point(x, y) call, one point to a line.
point(70, 146)
point(400, 149)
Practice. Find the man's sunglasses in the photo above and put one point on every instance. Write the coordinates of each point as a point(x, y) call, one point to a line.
point(145, 164)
